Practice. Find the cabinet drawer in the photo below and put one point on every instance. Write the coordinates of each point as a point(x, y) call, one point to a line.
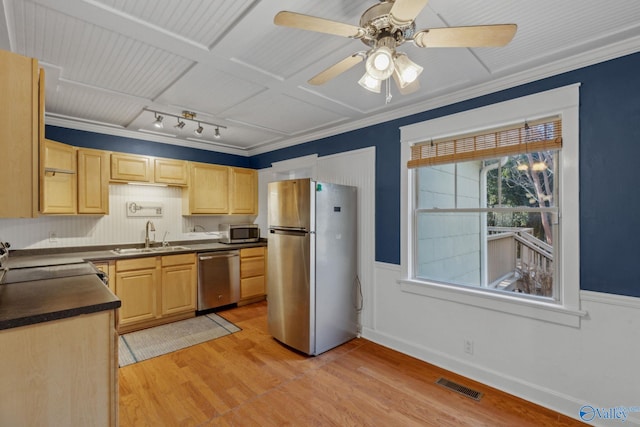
point(249, 252)
point(135, 263)
point(250, 267)
point(252, 286)
point(178, 259)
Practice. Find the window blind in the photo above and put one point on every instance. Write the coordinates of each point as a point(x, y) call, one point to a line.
point(528, 137)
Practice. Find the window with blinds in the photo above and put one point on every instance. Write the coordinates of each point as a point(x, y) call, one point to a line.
point(528, 137)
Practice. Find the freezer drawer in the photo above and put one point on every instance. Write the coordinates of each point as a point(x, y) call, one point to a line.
point(218, 279)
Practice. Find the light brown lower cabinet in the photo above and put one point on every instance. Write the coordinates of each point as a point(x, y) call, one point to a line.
point(63, 372)
point(253, 273)
point(155, 290)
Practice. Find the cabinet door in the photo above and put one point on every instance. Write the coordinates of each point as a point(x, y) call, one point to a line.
point(178, 289)
point(243, 191)
point(19, 135)
point(58, 191)
point(208, 191)
point(93, 181)
point(131, 168)
point(167, 171)
point(137, 290)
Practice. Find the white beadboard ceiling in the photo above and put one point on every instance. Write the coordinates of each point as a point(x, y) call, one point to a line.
point(108, 61)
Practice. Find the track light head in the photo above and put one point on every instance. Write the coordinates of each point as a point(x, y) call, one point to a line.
point(180, 124)
point(216, 134)
point(198, 132)
point(158, 122)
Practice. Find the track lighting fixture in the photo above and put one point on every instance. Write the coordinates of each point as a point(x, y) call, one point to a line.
point(158, 122)
point(186, 116)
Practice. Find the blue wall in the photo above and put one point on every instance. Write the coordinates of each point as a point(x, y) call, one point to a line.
point(609, 154)
point(79, 138)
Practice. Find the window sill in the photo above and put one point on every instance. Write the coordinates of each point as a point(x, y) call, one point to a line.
point(538, 310)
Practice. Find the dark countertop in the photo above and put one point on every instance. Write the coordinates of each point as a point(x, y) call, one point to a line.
point(40, 257)
point(40, 301)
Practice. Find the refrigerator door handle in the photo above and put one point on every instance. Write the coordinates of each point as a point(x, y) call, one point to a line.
point(289, 231)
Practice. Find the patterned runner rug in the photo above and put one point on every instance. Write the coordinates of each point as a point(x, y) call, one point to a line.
point(147, 343)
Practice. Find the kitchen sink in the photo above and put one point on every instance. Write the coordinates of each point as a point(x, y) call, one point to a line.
point(132, 251)
point(170, 248)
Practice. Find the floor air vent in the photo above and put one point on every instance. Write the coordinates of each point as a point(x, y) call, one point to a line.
point(465, 391)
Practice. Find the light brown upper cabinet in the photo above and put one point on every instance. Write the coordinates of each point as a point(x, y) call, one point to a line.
point(148, 169)
point(171, 172)
point(131, 168)
point(58, 178)
point(220, 190)
point(21, 128)
point(93, 181)
point(208, 191)
point(243, 191)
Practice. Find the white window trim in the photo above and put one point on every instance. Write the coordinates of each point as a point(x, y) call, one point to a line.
point(563, 101)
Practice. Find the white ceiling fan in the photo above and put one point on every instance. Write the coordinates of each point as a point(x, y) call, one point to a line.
point(383, 28)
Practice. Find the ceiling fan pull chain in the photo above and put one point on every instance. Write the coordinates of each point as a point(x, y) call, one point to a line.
point(389, 96)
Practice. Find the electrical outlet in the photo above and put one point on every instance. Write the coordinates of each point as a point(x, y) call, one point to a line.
point(468, 346)
point(53, 236)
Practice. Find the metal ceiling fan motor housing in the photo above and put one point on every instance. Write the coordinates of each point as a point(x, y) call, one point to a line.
point(379, 24)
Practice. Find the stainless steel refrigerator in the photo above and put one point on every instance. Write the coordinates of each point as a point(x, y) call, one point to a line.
point(312, 264)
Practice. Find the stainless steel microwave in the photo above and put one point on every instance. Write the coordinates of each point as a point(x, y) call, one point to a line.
point(239, 233)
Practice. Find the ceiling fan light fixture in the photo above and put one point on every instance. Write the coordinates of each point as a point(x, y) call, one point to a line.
point(380, 63)
point(370, 83)
point(407, 70)
point(198, 131)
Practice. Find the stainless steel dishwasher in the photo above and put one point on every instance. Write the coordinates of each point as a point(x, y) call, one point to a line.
point(218, 279)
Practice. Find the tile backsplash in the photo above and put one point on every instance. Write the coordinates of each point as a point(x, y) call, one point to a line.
point(116, 228)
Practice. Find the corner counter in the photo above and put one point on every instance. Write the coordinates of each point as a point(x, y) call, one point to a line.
point(59, 363)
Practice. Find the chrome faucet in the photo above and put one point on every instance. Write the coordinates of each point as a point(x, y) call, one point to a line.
point(149, 227)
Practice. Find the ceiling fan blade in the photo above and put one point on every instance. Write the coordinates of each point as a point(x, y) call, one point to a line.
point(475, 36)
point(405, 11)
point(321, 25)
point(336, 69)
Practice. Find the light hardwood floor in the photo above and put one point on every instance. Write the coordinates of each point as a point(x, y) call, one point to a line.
point(249, 379)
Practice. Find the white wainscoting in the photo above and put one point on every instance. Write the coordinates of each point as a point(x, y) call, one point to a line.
point(559, 367)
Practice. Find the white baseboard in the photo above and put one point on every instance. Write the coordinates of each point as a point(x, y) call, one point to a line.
point(545, 397)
